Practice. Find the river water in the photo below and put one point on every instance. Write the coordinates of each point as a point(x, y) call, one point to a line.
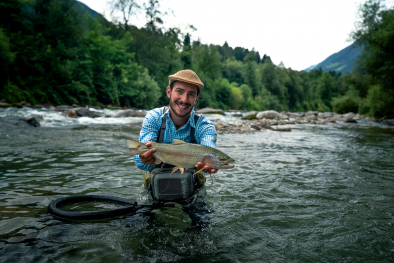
point(320, 193)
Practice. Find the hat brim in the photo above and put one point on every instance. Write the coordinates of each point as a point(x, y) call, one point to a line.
point(174, 78)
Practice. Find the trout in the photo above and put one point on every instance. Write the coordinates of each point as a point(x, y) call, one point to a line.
point(183, 155)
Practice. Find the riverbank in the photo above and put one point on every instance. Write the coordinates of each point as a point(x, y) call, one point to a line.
point(231, 121)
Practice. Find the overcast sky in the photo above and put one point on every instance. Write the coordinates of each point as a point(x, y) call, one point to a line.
point(300, 33)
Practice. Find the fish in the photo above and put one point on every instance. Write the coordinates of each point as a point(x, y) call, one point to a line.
point(183, 155)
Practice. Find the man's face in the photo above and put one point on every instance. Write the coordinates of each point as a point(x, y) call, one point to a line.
point(182, 98)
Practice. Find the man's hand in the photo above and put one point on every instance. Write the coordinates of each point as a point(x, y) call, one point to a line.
point(208, 169)
point(147, 157)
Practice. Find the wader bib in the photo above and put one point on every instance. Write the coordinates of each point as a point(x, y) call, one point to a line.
point(178, 187)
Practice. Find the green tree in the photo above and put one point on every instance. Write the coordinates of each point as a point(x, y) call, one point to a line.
point(375, 33)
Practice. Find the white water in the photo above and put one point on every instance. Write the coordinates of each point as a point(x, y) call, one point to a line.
point(53, 118)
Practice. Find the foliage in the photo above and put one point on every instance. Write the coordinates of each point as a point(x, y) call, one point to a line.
point(51, 53)
point(350, 102)
point(375, 32)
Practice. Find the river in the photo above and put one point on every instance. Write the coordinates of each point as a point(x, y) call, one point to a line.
point(320, 193)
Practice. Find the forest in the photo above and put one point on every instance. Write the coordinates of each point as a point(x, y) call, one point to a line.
point(54, 53)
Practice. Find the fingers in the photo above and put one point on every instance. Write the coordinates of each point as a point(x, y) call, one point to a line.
point(148, 144)
point(199, 165)
point(147, 157)
point(208, 169)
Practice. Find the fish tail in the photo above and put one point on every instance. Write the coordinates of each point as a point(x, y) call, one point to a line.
point(133, 147)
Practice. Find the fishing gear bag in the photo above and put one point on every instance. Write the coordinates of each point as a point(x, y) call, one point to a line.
point(172, 187)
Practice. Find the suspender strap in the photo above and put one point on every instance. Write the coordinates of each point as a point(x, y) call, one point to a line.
point(192, 130)
point(163, 126)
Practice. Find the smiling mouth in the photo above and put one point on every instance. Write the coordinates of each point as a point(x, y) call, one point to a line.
point(182, 106)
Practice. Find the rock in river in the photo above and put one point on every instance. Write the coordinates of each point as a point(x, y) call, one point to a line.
point(269, 114)
point(129, 113)
point(210, 110)
point(19, 122)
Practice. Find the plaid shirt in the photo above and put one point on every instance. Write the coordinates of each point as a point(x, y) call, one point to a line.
point(205, 132)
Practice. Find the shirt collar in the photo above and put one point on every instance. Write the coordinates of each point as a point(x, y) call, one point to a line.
point(191, 117)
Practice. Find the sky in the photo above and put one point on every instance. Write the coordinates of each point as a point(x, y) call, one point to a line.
point(299, 33)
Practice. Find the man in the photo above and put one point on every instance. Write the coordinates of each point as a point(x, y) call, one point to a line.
point(183, 91)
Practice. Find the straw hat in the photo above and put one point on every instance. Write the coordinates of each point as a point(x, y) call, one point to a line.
point(188, 76)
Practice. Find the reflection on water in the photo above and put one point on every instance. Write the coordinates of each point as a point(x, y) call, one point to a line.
point(318, 193)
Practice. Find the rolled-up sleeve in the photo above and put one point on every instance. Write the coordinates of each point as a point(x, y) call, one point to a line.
point(206, 132)
point(149, 132)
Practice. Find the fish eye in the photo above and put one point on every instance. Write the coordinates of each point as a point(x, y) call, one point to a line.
point(222, 159)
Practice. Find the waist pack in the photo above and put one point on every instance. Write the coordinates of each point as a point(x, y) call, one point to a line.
point(172, 187)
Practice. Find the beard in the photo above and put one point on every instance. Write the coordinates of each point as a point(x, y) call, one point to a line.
point(177, 111)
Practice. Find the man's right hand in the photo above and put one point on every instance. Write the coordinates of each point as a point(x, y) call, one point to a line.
point(147, 157)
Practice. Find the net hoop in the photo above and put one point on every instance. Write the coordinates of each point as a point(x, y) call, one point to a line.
point(54, 209)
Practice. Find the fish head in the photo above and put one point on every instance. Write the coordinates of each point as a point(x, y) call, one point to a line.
point(218, 161)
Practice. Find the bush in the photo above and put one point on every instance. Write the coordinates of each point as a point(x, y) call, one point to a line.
point(380, 102)
point(345, 104)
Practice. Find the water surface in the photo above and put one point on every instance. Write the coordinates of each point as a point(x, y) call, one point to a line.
point(321, 193)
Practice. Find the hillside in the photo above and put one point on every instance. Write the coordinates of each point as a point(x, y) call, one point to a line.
point(341, 61)
point(87, 9)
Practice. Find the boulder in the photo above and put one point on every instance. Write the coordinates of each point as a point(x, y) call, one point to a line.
point(38, 106)
point(83, 112)
point(24, 122)
point(250, 115)
point(69, 113)
point(295, 115)
point(349, 114)
point(96, 114)
point(311, 118)
point(32, 121)
point(324, 115)
point(219, 126)
point(63, 107)
point(389, 122)
point(4, 105)
point(129, 113)
point(269, 114)
point(335, 118)
point(209, 111)
point(350, 119)
point(254, 126)
point(309, 113)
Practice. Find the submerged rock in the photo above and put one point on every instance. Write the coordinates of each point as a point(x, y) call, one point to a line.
point(24, 122)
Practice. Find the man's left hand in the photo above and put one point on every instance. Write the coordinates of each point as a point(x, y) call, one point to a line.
point(208, 169)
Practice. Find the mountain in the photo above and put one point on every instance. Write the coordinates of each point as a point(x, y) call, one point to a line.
point(341, 62)
point(87, 9)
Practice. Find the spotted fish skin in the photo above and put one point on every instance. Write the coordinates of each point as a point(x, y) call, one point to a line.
point(182, 154)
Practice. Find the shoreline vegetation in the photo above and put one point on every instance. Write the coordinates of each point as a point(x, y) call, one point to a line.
point(54, 53)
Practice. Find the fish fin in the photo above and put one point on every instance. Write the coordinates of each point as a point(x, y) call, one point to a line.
point(176, 142)
point(199, 170)
point(182, 170)
point(133, 144)
point(175, 169)
point(158, 161)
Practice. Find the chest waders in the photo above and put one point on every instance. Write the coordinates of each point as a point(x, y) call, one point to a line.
point(177, 187)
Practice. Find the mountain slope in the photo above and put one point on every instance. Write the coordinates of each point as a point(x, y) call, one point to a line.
point(87, 9)
point(341, 61)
